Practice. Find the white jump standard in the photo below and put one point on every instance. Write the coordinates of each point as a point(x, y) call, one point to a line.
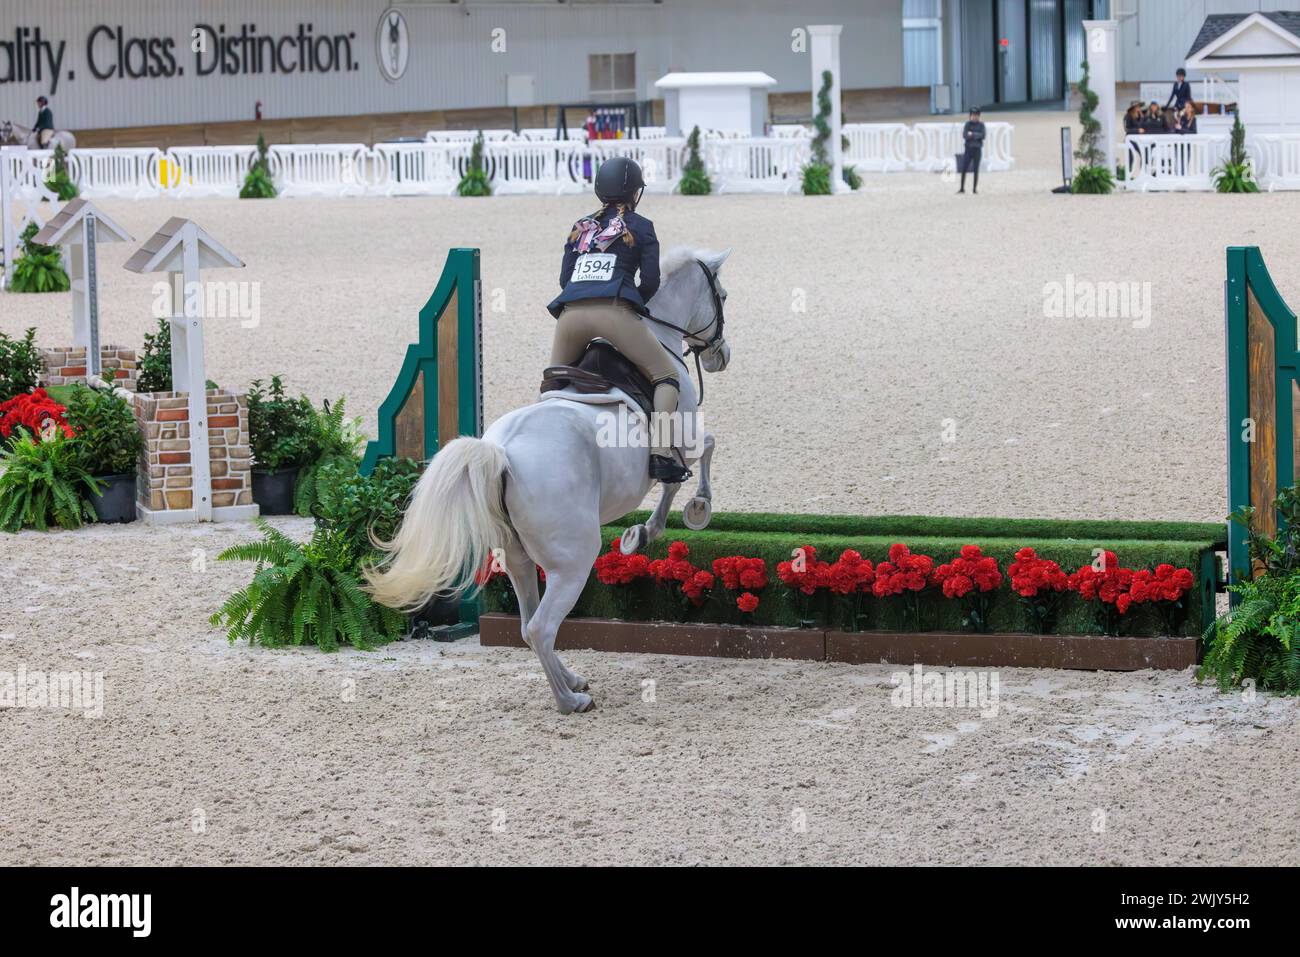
point(181, 249)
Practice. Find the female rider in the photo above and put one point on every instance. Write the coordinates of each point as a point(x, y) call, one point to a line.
point(601, 298)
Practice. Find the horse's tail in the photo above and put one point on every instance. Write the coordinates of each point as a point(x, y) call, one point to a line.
point(454, 519)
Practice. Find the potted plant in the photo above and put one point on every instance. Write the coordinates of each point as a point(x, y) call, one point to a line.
point(42, 484)
point(107, 445)
point(281, 431)
point(40, 267)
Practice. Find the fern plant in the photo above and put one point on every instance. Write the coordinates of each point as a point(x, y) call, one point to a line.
point(1236, 175)
point(1096, 180)
point(335, 440)
point(695, 181)
point(259, 184)
point(816, 174)
point(1259, 639)
point(60, 183)
point(39, 268)
point(475, 181)
point(304, 594)
point(43, 484)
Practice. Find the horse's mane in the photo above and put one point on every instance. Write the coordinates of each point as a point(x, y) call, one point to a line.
point(679, 256)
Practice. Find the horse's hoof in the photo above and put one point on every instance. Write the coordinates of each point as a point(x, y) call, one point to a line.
point(696, 513)
point(632, 540)
point(585, 706)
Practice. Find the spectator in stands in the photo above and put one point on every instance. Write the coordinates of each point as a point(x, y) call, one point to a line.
point(1185, 119)
point(1134, 119)
point(1154, 121)
point(972, 136)
point(44, 128)
point(1181, 93)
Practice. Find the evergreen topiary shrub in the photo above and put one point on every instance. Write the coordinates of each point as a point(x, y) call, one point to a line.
point(695, 180)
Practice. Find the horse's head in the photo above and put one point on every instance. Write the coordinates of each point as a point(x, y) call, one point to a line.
point(707, 327)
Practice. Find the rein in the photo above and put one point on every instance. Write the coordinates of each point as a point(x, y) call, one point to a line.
point(717, 325)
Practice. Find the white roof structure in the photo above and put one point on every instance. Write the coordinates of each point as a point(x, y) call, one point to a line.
point(677, 81)
point(1251, 41)
point(61, 228)
point(163, 251)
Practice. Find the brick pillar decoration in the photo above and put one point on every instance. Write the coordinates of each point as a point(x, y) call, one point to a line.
point(66, 365)
point(166, 477)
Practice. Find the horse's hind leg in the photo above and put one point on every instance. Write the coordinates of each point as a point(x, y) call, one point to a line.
point(523, 576)
point(566, 575)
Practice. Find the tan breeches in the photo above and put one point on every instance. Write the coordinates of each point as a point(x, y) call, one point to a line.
point(616, 321)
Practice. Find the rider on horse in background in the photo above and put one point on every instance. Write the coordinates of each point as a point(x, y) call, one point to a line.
point(44, 128)
point(601, 298)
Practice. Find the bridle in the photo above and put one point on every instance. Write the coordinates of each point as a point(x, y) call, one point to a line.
point(696, 343)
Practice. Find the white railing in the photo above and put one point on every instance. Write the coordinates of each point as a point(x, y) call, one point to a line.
point(531, 162)
point(877, 147)
point(335, 169)
point(22, 189)
point(421, 169)
point(1206, 90)
point(756, 164)
point(1173, 162)
point(191, 171)
point(123, 173)
point(1276, 159)
point(925, 147)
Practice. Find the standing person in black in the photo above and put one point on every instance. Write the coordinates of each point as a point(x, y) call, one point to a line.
point(972, 137)
point(1181, 93)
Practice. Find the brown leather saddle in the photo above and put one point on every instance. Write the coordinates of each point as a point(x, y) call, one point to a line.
point(601, 369)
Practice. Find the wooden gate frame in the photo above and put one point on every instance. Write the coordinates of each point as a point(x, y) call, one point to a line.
point(1263, 369)
point(438, 394)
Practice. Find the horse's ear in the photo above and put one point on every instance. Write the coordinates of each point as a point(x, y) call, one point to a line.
point(716, 263)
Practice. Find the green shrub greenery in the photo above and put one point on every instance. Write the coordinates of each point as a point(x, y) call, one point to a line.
point(108, 440)
point(335, 440)
point(281, 430)
point(39, 268)
point(475, 181)
point(695, 180)
point(20, 364)
point(259, 184)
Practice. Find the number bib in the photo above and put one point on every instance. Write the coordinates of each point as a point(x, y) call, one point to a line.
point(593, 267)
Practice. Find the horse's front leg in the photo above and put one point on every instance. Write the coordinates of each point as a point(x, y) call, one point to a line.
point(697, 512)
point(638, 537)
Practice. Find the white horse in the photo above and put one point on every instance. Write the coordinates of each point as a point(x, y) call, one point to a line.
point(541, 482)
point(14, 134)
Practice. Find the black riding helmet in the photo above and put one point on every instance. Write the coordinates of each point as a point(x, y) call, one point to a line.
point(619, 181)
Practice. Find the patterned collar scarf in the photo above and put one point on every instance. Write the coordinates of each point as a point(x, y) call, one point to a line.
point(591, 234)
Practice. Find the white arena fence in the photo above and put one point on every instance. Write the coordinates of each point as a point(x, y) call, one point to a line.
point(22, 190)
point(1168, 162)
point(532, 161)
point(923, 147)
